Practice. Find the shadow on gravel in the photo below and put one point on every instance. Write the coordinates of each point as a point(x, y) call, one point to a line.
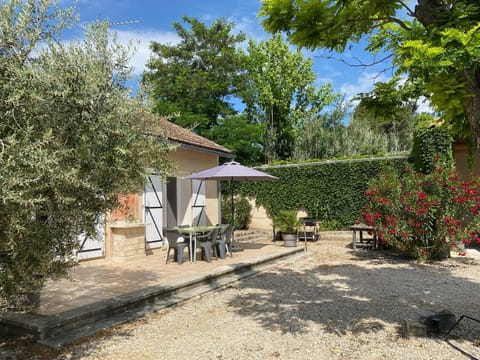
point(355, 298)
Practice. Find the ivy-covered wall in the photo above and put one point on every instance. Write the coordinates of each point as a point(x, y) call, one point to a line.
point(331, 191)
point(429, 142)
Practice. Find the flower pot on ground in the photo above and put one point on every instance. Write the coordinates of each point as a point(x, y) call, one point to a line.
point(290, 240)
point(288, 223)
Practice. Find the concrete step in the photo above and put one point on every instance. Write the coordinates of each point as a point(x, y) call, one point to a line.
point(251, 235)
point(61, 329)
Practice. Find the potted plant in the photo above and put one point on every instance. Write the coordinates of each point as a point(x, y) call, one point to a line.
point(288, 223)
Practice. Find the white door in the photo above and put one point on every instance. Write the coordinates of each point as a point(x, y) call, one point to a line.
point(92, 246)
point(153, 212)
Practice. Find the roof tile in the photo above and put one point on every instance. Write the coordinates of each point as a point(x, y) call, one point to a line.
point(181, 135)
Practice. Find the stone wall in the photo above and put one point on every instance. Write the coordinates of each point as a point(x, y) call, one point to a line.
point(127, 240)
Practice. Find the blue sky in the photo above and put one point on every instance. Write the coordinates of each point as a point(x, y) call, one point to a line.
point(154, 23)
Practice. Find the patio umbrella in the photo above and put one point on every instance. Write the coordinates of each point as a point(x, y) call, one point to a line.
point(232, 171)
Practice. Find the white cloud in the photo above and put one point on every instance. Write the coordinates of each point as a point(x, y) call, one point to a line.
point(141, 40)
point(365, 83)
point(326, 73)
point(250, 26)
point(424, 106)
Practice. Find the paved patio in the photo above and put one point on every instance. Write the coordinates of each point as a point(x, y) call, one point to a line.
point(98, 280)
point(107, 292)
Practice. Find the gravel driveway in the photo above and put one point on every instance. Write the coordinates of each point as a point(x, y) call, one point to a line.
point(331, 304)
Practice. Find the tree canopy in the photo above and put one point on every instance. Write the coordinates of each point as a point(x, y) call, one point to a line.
point(71, 140)
point(436, 43)
point(196, 77)
point(280, 93)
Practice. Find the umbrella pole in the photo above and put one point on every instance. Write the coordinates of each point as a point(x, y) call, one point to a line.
point(232, 247)
point(232, 203)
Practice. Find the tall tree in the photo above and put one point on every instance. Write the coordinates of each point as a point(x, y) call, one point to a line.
point(390, 110)
point(197, 77)
point(242, 137)
point(437, 44)
point(71, 140)
point(280, 92)
point(320, 135)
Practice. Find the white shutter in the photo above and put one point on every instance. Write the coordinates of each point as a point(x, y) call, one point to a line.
point(153, 212)
point(92, 246)
point(198, 202)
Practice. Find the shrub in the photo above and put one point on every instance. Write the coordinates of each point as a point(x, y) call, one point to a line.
point(330, 191)
point(423, 215)
point(287, 221)
point(242, 209)
point(427, 143)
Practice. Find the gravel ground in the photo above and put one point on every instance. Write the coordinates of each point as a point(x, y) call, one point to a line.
point(331, 304)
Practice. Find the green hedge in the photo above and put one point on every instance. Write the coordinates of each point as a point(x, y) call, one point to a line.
point(331, 191)
point(429, 142)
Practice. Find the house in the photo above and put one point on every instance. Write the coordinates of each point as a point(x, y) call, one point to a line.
point(135, 229)
point(466, 166)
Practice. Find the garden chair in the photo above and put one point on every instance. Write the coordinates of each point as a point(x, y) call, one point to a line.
point(208, 243)
point(176, 242)
point(225, 240)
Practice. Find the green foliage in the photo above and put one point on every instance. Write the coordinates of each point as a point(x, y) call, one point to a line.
point(324, 136)
point(325, 24)
point(278, 102)
point(242, 209)
point(428, 143)
point(423, 216)
point(321, 135)
point(71, 140)
point(240, 136)
point(195, 77)
point(287, 221)
point(389, 109)
point(331, 191)
point(361, 138)
point(438, 51)
point(438, 66)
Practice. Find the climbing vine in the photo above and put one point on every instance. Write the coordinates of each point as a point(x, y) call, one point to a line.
point(331, 191)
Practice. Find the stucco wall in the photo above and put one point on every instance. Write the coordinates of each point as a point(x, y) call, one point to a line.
point(259, 219)
point(461, 154)
point(189, 161)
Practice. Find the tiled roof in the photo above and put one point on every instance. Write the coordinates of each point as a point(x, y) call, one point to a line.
point(183, 136)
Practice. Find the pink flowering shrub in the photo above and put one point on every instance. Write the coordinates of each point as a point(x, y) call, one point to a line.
point(423, 216)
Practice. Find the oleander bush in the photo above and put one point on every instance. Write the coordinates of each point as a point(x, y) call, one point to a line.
point(424, 215)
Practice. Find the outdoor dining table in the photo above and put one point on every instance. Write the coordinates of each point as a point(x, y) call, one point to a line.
point(361, 228)
point(192, 232)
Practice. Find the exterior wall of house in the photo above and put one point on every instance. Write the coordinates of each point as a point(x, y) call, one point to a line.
point(461, 154)
point(125, 223)
point(189, 162)
point(259, 219)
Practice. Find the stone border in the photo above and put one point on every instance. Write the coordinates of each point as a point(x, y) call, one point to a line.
point(60, 329)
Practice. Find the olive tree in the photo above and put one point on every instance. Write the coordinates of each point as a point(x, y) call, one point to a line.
point(71, 140)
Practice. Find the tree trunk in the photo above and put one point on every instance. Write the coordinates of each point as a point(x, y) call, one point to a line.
point(428, 11)
point(472, 108)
